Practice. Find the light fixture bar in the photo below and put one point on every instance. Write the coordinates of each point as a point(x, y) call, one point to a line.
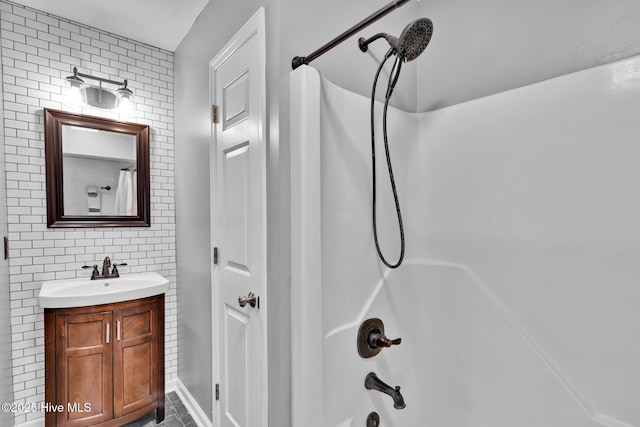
point(100, 79)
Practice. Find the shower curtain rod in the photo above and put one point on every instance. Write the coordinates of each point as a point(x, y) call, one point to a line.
point(304, 60)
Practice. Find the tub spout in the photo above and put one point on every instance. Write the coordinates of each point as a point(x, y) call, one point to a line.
point(372, 382)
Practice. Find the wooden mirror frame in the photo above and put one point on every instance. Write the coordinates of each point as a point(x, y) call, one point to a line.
point(53, 122)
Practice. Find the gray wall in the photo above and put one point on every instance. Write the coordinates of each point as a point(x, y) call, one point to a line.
point(215, 26)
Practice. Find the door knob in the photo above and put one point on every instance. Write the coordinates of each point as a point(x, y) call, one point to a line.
point(250, 299)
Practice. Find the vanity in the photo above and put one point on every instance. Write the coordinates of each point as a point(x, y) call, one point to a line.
point(104, 335)
point(104, 349)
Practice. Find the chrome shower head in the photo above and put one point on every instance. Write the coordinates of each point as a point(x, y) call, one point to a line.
point(412, 42)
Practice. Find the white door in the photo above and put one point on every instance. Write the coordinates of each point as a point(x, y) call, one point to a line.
point(238, 177)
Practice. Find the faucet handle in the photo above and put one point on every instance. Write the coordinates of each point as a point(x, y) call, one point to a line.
point(371, 338)
point(114, 271)
point(95, 271)
point(378, 339)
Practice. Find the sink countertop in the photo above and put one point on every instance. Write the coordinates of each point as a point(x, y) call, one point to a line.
point(64, 293)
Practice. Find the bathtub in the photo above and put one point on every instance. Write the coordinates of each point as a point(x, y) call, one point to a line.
point(478, 347)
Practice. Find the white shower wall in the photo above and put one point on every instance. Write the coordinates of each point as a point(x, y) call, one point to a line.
point(537, 190)
point(517, 299)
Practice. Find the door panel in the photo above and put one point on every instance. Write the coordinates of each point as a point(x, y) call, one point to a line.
point(235, 102)
point(236, 188)
point(239, 226)
point(237, 339)
point(84, 347)
point(134, 376)
point(82, 385)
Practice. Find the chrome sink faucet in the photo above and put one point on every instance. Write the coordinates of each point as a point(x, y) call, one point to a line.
point(106, 263)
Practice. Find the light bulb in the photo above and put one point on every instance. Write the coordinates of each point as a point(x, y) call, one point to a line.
point(74, 97)
point(126, 107)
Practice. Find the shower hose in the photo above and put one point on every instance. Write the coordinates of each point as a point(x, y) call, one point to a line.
point(393, 78)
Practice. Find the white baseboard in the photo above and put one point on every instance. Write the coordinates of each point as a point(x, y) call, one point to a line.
point(192, 406)
point(176, 385)
point(38, 422)
point(170, 385)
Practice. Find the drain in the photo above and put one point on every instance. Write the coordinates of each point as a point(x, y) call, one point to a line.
point(106, 284)
point(373, 420)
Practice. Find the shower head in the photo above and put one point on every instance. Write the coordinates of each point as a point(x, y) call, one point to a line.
point(414, 38)
point(412, 42)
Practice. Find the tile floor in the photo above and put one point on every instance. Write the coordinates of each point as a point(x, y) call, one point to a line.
point(175, 415)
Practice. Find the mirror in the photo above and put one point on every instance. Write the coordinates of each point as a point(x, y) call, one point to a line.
point(97, 171)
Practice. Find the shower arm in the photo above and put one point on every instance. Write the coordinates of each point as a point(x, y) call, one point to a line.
point(304, 60)
point(363, 43)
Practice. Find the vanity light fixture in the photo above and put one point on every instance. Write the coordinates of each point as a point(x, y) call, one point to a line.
point(81, 95)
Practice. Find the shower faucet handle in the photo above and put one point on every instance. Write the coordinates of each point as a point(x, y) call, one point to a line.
point(378, 339)
point(371, 338)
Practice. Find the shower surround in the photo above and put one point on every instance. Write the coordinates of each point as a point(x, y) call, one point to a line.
point(517, 300)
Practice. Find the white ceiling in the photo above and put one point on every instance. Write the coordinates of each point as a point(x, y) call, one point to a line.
point(159, 23)
point(483, 47)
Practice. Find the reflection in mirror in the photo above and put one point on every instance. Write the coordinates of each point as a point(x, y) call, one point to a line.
point(99, 172)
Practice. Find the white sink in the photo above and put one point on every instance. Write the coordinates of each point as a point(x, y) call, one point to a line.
point(83, 292)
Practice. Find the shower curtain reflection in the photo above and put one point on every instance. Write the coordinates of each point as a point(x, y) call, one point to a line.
point(126, 200)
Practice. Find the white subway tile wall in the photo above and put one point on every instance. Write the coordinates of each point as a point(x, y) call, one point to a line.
point(38, 51)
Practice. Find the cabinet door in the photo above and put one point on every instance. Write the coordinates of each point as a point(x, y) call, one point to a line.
point(135, 367)
point(84, 383)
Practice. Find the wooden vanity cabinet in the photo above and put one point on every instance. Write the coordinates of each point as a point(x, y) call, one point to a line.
point(104, 364)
